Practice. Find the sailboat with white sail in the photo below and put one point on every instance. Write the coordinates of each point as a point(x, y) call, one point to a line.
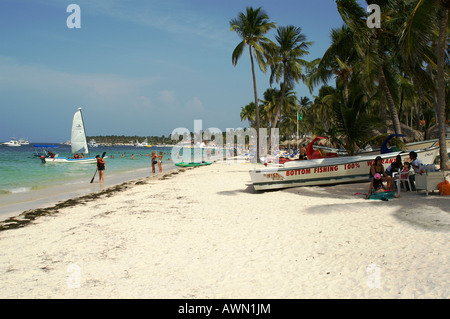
point(78, 143)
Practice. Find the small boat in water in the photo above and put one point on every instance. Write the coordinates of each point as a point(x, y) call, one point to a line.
point(328, 170)
point(24, 141)
point(44, 151)
point(77, 142)
point(13, 143)
point(92, 143)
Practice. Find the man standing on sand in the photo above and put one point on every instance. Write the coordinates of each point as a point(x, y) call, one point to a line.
point(303, 152)
point(154, 161)
point(100, 168)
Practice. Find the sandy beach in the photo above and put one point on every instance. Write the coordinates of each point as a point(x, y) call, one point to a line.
point(205, 233)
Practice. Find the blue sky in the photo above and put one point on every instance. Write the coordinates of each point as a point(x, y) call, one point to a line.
point(136, 67)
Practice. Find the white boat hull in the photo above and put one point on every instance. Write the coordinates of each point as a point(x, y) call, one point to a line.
point(328, 171)
point(88, 160)
point(409, 147)
point(12, 143)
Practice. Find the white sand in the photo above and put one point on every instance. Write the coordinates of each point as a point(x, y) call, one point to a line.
point(205, 233)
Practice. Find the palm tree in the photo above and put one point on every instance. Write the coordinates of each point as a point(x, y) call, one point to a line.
point(248, 114)
point(285, 60)
point(353, 126)
point(428, 18)
point(251, 28)
point(339, 60)
point(373, 47)
point(271, 103)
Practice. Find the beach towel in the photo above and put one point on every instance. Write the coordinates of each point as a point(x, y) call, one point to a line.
point(382, 196)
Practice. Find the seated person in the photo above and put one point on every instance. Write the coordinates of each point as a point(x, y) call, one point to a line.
point(396, 166)
point(415, 162)
point(377, 167)
point(404, 173)
point(376, 185)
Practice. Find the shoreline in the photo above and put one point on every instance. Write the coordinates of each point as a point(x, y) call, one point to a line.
point(17, 203)
point(204, 232)
point(25, 217)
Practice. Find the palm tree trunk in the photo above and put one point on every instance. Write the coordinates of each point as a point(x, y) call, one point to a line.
point(441, 47)
point(258, 124)
point(283, 94)
point(389, 101)
point(421, 99)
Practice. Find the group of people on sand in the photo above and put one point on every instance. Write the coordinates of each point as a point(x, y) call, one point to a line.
point(378, 175)
point(157, 159)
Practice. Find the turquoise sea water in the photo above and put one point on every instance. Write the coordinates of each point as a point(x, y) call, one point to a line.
point(22, 172)
point(27, 183)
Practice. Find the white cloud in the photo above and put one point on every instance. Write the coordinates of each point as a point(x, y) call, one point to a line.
point(195, 106)
point(105, 90)
point(172, 16)
point(167, 97)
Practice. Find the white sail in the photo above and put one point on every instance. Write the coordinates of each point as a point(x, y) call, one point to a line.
point(78, 137)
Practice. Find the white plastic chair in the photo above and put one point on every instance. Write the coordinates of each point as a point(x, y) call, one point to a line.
point(399, 179)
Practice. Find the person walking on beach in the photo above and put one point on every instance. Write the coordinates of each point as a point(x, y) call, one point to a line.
point(154, 161)
point(101, 168)
point(160, 161)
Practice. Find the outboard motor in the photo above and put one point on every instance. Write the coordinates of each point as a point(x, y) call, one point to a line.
point(42, 159)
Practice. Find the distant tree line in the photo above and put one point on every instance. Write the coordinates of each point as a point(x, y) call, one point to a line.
point(123, 139)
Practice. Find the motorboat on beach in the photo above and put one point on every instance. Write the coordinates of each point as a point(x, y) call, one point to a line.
point(328, 170)
point(77, 142)
point(384, 147)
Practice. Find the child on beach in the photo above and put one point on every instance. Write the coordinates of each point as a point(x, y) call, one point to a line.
point(376, 185)
point(404, 174)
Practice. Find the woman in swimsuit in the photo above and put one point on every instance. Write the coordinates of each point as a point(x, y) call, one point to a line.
point(377, 167)
point(101, 169)
point(159, 161)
